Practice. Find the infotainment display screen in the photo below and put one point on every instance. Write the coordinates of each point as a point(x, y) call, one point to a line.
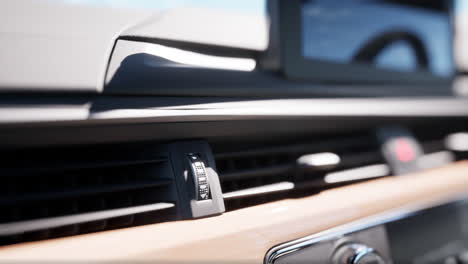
point(396, 35)
point(362, 41)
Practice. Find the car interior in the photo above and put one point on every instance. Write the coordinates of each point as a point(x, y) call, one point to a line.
point(247, 131)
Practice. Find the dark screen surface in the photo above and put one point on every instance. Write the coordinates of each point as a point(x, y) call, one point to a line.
point(428, 237)
point(390, 35)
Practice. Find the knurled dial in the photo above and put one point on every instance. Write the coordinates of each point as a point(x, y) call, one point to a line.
point(356, 253)
point(200, 177)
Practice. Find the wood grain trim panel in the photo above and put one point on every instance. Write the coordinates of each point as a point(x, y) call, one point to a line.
point(246, 235)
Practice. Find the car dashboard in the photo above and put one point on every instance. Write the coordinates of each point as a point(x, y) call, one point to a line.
point(186, 134)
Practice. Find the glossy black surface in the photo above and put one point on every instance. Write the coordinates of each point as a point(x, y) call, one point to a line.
point(430, 236)
point(398, 35)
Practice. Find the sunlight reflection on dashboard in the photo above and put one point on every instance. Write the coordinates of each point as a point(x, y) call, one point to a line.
point(201, 60)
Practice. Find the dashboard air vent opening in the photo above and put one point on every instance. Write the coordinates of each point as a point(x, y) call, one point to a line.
point(268, 173)
point(48, 193)
point(443, 144)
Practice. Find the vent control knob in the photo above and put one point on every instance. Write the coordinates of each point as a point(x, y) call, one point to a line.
point(355, 253)
point(200, 177)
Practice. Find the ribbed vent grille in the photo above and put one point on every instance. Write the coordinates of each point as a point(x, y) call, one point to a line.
point(69, 191)
point(435, 141)
point(274, 169)
point(432, 139)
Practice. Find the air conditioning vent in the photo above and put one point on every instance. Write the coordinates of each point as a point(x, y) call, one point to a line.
point(49, 193)
point(443, 144)
point(266, 173)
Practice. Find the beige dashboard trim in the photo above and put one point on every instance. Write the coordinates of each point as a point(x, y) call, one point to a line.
point(246, 235)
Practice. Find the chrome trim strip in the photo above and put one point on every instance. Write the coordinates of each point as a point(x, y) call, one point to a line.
point(46, 113)
point(322, 160)
point(270, 188)
point(98, 111)
point(435, 159)
point(358, 173)
point(457, 141)
point(13, 228)
point(191, 58)
point(378, 219)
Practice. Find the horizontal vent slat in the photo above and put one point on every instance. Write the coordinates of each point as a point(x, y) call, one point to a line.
point(358, 173)
point(103, 189)
point(58, 167)
point(54, 222)
point(270, 188)
point(257, 172)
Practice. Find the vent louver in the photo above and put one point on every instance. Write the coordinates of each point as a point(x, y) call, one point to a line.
point(264, 174)
point(443, 145)
point(47, 193)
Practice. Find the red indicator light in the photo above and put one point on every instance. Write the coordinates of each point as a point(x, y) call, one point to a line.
point(404, 150)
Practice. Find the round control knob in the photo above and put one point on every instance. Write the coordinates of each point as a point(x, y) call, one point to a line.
point(355, 253)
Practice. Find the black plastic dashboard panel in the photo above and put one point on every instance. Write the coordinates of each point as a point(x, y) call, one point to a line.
point(136, 68)
point(110, 119)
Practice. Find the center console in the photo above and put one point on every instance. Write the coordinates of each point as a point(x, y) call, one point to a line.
point(424, 236)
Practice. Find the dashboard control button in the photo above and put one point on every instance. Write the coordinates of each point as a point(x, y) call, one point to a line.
point(400, 149)
point(356, 253)
point(200, 177)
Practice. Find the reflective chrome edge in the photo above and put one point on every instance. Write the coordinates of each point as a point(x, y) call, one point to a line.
point(378, 219)
point(269, 188)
